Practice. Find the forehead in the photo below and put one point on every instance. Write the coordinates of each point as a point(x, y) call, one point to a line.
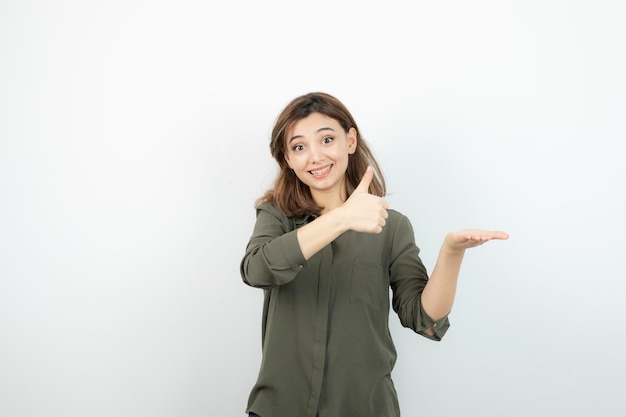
point(312, 124)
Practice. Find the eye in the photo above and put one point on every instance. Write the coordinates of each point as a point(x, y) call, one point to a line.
point(327, 139)
point(297, 148)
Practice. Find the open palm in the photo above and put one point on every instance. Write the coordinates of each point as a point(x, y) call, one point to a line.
point(469, 238)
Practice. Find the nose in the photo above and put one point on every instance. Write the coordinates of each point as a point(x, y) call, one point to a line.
point(316, 154)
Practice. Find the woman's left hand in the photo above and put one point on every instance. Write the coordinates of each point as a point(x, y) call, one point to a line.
point(469, 238)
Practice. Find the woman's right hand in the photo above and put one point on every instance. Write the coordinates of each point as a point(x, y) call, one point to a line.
point(365, 212)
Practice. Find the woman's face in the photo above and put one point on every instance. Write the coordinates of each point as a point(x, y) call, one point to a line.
point(317, 150)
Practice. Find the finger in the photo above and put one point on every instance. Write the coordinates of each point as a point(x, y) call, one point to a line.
point(485, 236)
point(475, 238)
point(475, 234)
point(364, 185)
point(500, 235)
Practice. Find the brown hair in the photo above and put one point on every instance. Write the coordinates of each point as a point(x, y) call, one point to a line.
point(291, 195)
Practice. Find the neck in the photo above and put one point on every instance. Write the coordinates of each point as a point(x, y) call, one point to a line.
point(329, 199)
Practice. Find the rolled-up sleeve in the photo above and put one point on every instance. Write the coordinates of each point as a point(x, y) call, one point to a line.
point(273, 256)
point(408, 278)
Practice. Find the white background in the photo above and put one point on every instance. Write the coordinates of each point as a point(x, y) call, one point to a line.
point(133, 143)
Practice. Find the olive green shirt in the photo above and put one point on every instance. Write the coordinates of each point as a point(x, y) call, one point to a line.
point(327, 349)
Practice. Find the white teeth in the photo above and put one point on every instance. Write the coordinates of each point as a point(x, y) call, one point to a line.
point(321, 171)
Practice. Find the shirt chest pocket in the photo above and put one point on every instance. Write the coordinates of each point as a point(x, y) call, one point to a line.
point(369, 285)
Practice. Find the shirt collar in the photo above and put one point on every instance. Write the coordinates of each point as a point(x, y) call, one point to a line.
point(304, 219)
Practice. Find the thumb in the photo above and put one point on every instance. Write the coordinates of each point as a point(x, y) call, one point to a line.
point(364, 185)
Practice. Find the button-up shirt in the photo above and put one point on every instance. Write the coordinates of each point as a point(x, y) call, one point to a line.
point(327, 349)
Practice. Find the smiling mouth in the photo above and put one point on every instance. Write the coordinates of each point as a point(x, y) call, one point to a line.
point(321, 171)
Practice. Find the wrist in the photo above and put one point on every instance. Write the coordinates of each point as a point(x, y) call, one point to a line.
point(339, 220)
point(450, 247)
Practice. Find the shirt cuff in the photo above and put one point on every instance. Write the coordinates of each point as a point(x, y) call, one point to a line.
point(293, 253)
point(440, 327)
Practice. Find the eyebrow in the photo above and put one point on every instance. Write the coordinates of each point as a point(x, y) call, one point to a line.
point(321, 129)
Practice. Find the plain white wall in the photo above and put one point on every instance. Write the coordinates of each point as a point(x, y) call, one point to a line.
point(133, 143)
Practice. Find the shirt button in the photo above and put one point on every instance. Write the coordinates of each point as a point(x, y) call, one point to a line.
point(435, 325)
point(300, 266)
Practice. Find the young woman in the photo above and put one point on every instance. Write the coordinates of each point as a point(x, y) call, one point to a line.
point(326, 248)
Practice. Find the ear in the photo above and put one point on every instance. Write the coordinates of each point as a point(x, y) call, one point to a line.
point(352, 140)
point(287, 159)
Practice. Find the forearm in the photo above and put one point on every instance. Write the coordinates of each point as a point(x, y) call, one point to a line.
point(316, 235)
point(268, 263)
point(438, 295)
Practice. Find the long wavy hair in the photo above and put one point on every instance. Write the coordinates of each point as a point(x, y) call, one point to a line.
point(291, 195)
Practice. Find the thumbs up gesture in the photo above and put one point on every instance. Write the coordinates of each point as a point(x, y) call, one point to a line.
point(365, 212)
